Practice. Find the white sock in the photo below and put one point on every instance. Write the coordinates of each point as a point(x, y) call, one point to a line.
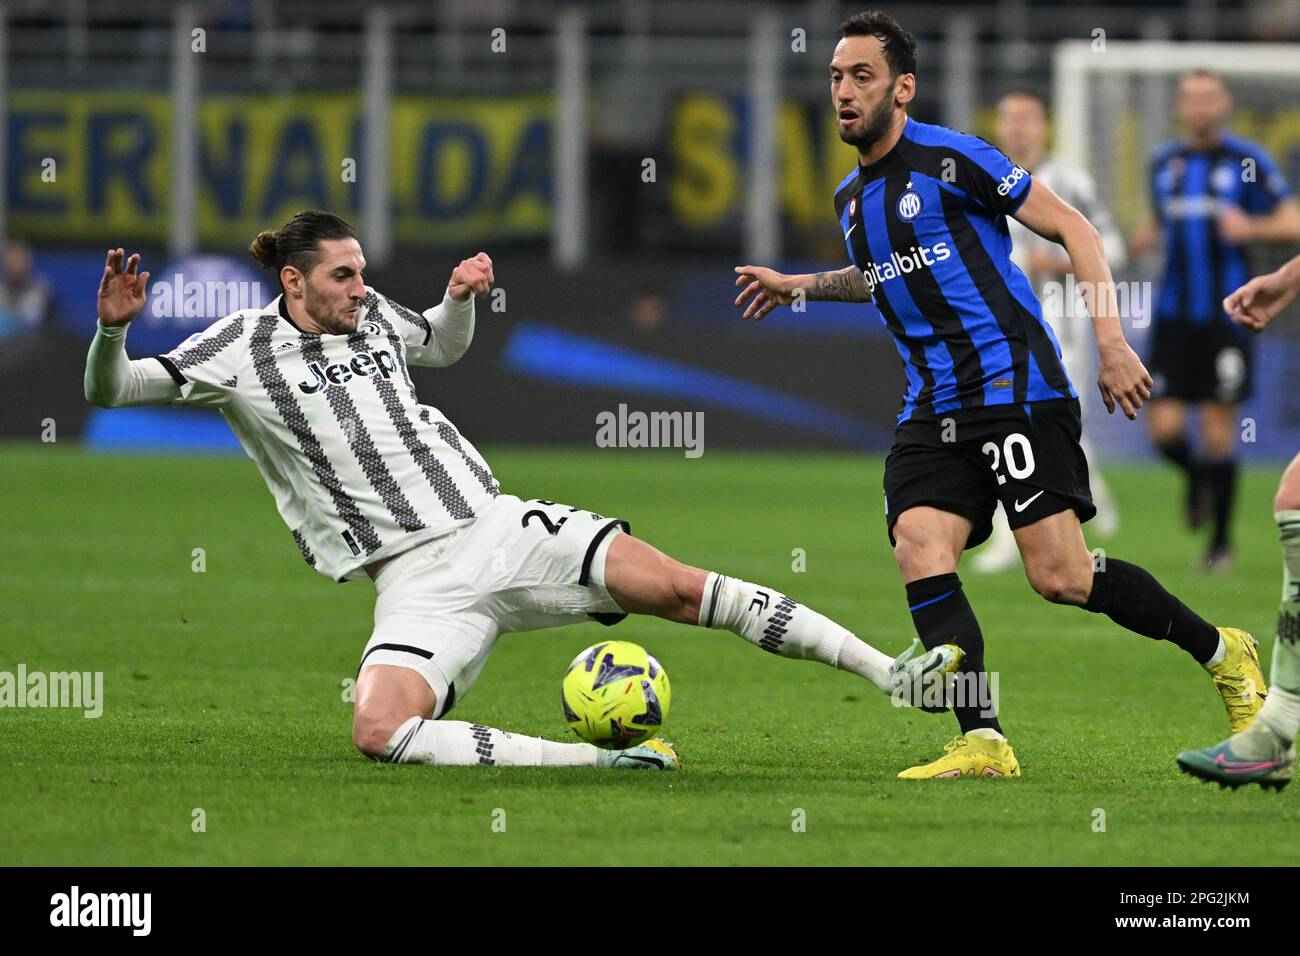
point(1217, 657)
point(1281, 713)
point(772, 621)
point(1286, 646)
point(455, 743)
point(988, 733)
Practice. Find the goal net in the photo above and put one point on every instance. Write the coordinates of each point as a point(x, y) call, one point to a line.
point(1115, 102)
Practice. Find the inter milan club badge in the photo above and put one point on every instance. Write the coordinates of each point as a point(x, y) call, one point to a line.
point(909, 206)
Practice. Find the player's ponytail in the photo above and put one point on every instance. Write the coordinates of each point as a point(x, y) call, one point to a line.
point(263, 248)
point(295, 243)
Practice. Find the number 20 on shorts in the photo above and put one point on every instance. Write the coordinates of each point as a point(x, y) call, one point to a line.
point(1013, 445)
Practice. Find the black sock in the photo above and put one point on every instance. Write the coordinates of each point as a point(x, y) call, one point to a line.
point(1179, 453)
point(1221, 482)
point(942, 615)
point(1132, 598)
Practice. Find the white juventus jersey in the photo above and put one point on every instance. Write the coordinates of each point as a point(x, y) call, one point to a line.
point(359, 468)
point(1077, 188)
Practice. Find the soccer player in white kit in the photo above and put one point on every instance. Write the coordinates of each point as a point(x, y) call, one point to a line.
point(1022, 132)
point(1265, 752)
point(373, 483)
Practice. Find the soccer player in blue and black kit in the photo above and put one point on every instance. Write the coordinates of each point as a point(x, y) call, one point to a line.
point(989, 412)
point(1211, 193)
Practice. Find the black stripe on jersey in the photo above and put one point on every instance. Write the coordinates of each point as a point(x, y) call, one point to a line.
point(970, 249)
point(172, 370)
point(1174, 250)
point(374, 314)
point(1176, 267)
point(438, 477)
point(940, 163)
point(208, 349)
point(415, 318)
point(1018, 324)
point(847, 192)
point(281, 395)
point(929, 298)
point(916, 351)
point(947, 165)
point(452, 438)
point(1212, 229)
point(363, 447)
point(304, 549)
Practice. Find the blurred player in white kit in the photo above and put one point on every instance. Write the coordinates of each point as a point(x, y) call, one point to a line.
point(1022, 133)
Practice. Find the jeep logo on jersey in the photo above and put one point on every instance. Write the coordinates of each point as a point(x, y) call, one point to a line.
point(909, 206)
point(1008, 182)
point(365, 365)
point(898, 264)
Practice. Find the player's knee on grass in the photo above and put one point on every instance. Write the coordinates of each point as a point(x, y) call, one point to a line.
point(370, 734)
point(387, 697)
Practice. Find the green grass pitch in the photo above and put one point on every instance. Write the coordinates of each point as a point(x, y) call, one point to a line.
point(224, 690)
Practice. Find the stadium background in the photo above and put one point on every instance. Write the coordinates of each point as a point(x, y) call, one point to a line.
point(528, 130)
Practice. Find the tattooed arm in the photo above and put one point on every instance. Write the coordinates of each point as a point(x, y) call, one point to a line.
point(769, 288)
point(843, 285)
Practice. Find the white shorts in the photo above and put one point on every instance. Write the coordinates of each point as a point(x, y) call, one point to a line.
point(519, 566)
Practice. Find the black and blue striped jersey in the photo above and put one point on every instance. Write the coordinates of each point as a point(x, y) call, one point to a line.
point(1189, 188)
point(927, 226)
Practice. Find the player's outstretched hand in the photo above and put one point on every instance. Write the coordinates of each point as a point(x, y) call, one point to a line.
point(1259, 301)
point(121, 290)
point(767, 288)
point(1122, 378)
point(472, 277)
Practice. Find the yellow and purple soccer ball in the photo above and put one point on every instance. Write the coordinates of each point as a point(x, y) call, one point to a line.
point(616, 695)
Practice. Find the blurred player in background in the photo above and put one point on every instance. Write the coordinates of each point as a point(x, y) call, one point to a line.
point(1022, 134)
point(26, 301)
point(989, 413)
point(1212, 193)
point(373, 483)
point(1265, 752)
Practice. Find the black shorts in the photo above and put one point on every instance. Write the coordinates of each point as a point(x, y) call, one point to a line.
point(1201, 361)
point(1026, 456)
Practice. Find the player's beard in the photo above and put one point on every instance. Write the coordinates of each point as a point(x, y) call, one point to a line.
point(332, 321)
point(874, 126)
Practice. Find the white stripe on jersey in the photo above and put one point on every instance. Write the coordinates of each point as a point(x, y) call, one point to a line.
point(359, 468)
